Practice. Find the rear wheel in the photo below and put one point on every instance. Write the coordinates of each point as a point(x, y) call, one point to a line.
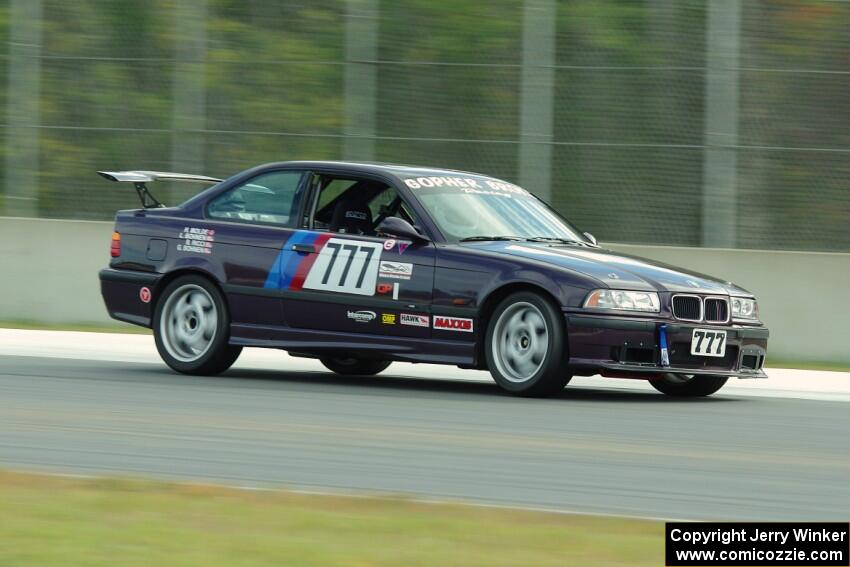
point(355, 366)
point(191, 327)
point(525, 346)
point(688, 385)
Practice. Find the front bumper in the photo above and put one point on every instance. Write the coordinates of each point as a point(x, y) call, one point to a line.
point(629, 347)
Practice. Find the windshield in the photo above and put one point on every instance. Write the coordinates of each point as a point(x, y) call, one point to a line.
point(467, 207)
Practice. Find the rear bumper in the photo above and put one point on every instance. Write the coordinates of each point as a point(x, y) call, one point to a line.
point(121, 291)
point(630, 348)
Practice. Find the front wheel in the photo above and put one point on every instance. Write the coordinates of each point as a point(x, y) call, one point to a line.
point(688, 385)
point(355, 366)
point(191, 327)
point(525, 346)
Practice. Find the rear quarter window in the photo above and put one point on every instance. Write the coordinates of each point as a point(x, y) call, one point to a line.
point(270, 198)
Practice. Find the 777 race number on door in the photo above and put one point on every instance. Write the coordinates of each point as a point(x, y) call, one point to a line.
point(346, 266)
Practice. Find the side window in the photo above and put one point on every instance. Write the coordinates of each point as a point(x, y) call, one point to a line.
point(268, 198)
point(388, 203)
point(333, 189)
point(356, 206)
point(342, 205)
point(380, 203)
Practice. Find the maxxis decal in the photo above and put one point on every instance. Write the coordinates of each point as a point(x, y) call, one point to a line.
point(452, 324)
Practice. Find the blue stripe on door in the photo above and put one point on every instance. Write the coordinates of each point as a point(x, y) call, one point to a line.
point(286, 263)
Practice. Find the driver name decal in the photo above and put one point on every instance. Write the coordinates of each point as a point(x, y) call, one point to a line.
point(198, 240)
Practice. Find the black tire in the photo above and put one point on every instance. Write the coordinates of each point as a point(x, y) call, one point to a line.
point(355, 366)
point(544, 378)
point(680, 385)
point(218, 355)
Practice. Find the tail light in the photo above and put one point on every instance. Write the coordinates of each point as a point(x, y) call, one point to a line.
point(115, 248)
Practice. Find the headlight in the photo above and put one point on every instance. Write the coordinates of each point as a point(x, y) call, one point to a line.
point(744, 309)
point(626, 300)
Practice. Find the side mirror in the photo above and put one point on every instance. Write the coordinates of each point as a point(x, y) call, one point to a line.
point(400, 228)
point(590, 237)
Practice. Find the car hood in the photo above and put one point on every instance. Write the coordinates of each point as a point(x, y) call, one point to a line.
point(616, 270)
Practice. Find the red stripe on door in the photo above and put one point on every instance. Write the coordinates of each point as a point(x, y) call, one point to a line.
point(307, 263)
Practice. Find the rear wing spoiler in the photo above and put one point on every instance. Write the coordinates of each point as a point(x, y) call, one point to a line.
point(140, 178)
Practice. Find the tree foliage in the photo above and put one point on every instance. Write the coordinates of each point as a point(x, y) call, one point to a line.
point(629, 102)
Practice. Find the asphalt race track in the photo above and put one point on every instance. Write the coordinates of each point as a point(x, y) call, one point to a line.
point(625, 452)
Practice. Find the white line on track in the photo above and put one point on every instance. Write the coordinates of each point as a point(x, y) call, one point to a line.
point(130, 348)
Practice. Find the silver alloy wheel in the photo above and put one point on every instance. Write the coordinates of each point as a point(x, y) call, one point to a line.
point(188, 323)
point(520, 342)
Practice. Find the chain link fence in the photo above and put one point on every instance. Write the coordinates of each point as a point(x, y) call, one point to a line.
point(672, 121)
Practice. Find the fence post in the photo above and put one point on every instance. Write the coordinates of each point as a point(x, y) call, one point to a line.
point(189, 92)
point(361, 79)
point(720, 158)
point(537, 96)
point(22, 108)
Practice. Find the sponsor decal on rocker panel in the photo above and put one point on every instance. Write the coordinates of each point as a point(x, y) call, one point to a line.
point(414, 320)
point(362, 316)
point(453, 324)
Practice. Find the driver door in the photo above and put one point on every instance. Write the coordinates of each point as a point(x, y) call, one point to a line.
point(346, 278)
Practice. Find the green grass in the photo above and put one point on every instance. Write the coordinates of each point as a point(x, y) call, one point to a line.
point(51, 521)
point(115, 327)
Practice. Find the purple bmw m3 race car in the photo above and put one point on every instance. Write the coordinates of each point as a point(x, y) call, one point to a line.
point(359, 265)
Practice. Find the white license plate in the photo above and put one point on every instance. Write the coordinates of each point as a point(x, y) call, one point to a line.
point(708, 342)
